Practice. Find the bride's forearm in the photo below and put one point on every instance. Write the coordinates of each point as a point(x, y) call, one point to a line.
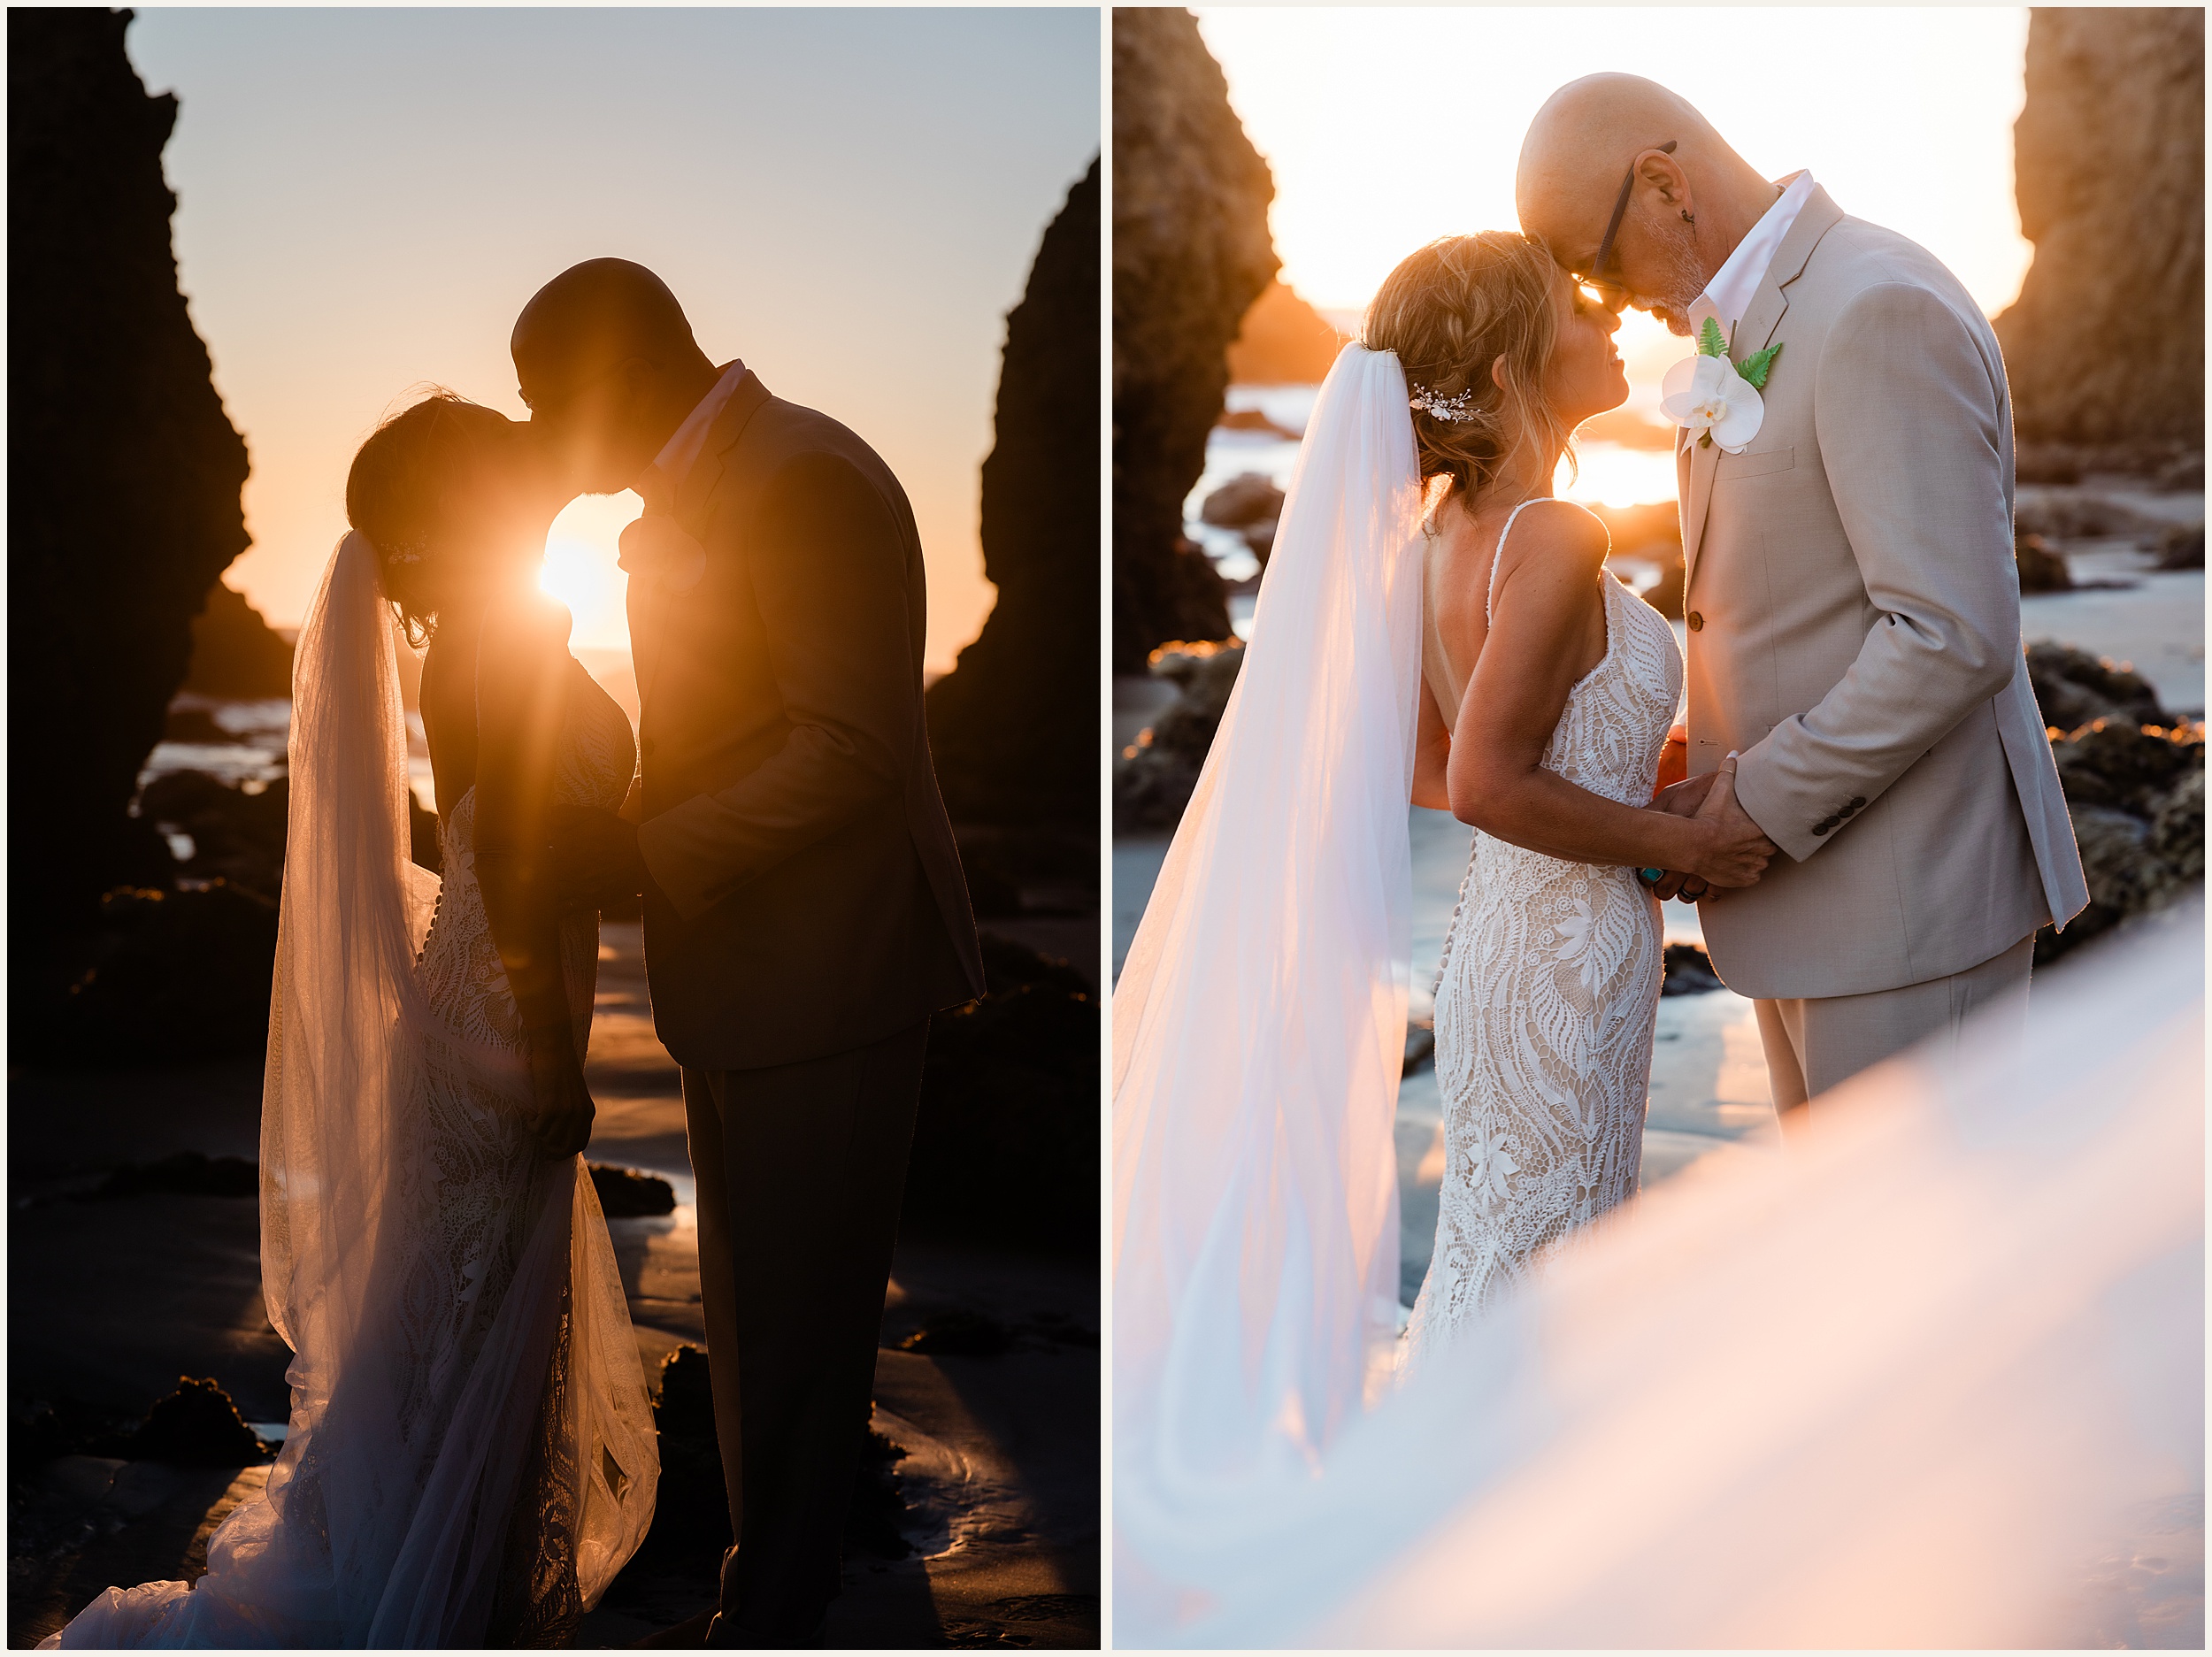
point(1543, 812)
point(525, 931)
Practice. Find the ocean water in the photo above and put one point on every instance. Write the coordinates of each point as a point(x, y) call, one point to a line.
point(1608, 473)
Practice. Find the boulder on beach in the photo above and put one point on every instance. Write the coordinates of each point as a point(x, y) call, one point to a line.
point(1250, 497)
point(2042, 566)
point(1006, 1139)
point(1013, 728)
point(1192, 252)
point(1283, 342)
point(2108, 153)
point(2182, 548)
point(629, 1193)
point(1154, 778)
point(196, 1425)
point(2136, 794)
point(139, 470)
point(2073, 687)
point(234, 652)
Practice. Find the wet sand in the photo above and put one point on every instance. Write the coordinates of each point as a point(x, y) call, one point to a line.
point(112, 1301)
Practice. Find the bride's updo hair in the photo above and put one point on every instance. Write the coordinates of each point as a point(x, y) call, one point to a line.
point(1449, 311)
point(397, 490)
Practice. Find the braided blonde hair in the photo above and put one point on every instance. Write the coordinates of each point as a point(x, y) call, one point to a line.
point(1449, 311)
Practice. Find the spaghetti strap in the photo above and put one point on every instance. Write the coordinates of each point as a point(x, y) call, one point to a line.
point(1490, 604)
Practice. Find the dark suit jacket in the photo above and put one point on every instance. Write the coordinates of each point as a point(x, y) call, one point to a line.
point(807, 897)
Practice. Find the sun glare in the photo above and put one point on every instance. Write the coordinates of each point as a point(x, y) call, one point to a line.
point(581, 569)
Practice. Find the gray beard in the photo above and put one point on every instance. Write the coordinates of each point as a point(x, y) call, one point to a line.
point(1682, 279)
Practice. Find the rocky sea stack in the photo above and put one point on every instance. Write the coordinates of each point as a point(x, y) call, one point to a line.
point(2105, 351)
point(1192, 251)
point(114, 413)
point(1013, 728)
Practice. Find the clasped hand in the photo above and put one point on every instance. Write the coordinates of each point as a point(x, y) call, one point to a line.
point(1735, 849)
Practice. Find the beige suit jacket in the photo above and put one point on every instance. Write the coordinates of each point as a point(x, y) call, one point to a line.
point(1855, 613)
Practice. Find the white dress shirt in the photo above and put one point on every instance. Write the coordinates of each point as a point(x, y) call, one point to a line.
point(657, 484)
point(1728, 296)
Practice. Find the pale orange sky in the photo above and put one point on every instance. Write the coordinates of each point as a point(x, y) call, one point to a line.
point(1388, 126)
point(848, 199)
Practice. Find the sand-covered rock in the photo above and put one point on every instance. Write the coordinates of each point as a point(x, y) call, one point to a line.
point(2105, 345)
point(1014, 727)
point(135, 510)
point(1192, 252)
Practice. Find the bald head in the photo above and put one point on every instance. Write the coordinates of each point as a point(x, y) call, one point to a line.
point(603, 310)
point(606, 361)
point(1688, 208)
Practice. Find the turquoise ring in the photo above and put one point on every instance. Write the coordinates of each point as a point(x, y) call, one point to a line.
point(1651, 877)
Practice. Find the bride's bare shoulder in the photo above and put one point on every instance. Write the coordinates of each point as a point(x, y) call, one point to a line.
point(1558, 530)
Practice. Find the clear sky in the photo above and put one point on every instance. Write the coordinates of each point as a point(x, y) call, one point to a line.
point(1386, 127)
point(848, 199)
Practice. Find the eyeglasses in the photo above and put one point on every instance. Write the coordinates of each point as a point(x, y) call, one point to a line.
point(1612, 293)
point(560, 399)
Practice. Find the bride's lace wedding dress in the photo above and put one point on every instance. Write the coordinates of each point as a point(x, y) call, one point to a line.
point(1545, 1004)
point(471, 1453)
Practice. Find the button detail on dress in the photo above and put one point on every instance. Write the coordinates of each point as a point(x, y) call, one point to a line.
point(1696, 621)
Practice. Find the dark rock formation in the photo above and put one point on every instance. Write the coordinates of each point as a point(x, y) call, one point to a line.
point(1689, 972)
point(186, 1174)
point(2082, 517)
point(2042, 566)
point(234, 653)
point(136, 508)
point(1153, 780)
point(1014, 726)
point(197, 1426)
point(2136, 794)
point(1006, 1141)
point(1283, 342)
point(2073, 687)
point(1250, 497)
point(2106, 344)
point(2182, 548)
point(624, 1193)
point(1192, 252)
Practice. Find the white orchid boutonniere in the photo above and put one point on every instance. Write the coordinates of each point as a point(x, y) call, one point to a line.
point(1715, 398)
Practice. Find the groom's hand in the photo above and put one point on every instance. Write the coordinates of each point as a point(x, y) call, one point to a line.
point(595, 860)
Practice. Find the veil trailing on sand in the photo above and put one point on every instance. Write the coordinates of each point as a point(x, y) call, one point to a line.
point(1259, 1022)
point(420, 1419)
point(1933, 1378)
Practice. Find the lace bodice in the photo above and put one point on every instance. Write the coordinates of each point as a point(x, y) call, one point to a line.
point(1546, 998)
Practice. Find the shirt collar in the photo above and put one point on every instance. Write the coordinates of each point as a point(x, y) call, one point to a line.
point(680, 453)
point(1728, 296)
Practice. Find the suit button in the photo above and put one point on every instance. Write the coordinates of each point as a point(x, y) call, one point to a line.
point(1824, 826)
point(1696, 621)
point(1857, 801)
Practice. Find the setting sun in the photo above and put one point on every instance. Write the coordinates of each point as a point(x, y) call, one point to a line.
point(581, 569)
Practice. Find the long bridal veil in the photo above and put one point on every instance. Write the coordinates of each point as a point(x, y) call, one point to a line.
point(418, 1420)
point(1259, 1022)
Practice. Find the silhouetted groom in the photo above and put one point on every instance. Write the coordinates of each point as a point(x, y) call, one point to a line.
point(804, 907)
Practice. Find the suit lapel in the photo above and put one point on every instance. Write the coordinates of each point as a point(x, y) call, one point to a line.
point(1754, 332)
point(648, 602)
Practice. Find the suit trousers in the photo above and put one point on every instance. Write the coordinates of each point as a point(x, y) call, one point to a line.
point(1814, 1043)
point(800, 1170)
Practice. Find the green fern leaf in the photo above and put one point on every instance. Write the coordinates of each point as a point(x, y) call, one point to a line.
point(1710, 341)
point(1756, 367)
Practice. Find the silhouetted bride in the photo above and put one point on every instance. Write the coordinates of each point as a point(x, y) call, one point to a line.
point(471, 1456)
